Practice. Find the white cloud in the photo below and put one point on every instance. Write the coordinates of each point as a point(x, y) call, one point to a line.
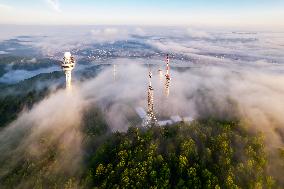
point(3, 52)
point(54, 4)
point(139, 31)
point(109, 34)
point(198, 33)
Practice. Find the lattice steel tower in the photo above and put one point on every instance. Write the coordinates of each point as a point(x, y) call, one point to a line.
point(150, 118)
point(168, 77)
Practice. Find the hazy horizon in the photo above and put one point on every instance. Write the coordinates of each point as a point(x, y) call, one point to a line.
point(245, 14)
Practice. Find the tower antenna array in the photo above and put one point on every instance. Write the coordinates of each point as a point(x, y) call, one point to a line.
point(150, 118)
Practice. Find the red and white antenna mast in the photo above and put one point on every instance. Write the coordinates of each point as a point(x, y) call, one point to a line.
point(168, 77)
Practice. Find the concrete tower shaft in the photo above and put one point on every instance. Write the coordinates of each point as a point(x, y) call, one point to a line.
point(67, 66)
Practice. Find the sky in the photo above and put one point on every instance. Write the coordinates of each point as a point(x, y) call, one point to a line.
point(243, 13)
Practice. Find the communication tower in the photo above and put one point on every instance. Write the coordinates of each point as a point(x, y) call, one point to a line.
point(68, 65)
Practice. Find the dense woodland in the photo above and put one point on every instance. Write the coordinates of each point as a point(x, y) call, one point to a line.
point(204, 154)
point(12, 105)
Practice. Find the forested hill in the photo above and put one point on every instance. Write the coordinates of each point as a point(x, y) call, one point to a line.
point(204, 154)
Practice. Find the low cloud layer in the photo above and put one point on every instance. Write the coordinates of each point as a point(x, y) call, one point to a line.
point(201, 45)
point(109, 34)
point(42, 131)
point(198, 33)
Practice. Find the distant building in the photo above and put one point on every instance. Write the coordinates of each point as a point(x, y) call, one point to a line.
point(176, 119)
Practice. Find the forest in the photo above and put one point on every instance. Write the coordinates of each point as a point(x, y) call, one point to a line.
point(204, 154)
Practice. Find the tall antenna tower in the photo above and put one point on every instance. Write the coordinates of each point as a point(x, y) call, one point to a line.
point(68, 65)
point(168, 77)
point(150, 118)
point(167, 88)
